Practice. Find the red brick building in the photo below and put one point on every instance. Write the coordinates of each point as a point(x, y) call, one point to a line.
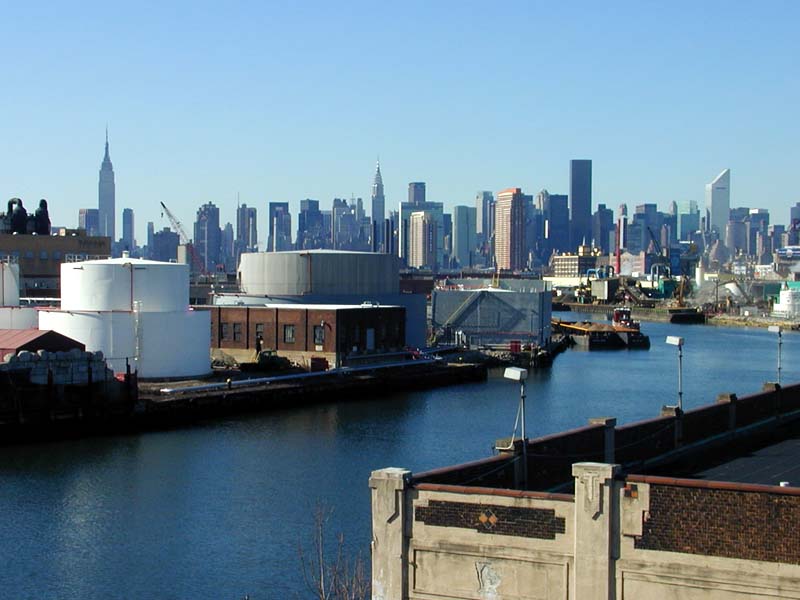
point(341, 334)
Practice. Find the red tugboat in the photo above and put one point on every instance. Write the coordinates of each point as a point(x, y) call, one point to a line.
point(628, 329)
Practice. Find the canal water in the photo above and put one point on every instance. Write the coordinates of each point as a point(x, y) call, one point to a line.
point(219, 510)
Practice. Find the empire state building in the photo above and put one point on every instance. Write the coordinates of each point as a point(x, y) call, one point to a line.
point(105, 195)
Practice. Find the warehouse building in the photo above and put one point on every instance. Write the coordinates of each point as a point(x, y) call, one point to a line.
point(314, 336)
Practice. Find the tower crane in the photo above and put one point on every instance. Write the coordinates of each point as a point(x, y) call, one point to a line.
point(184, 239)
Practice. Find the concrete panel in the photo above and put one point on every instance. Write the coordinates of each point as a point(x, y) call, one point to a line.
point(478, 576)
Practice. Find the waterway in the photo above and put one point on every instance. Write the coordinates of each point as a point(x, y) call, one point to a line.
point(218, 510)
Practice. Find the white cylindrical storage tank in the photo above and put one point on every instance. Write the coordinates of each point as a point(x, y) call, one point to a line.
point(175, 344)
point(9, 284)
point(120, 283)
point(110, 332)
point(18, 317)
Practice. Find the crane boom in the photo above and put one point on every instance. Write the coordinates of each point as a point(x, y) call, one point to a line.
point(184, 239)
point(176, 225)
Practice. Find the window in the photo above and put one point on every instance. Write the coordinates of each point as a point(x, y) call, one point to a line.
point(319, 335)
point(237, 332)
point(56, 255)
point(43, 255)
point(288, 334)
point(29, 254)
point(260, 330)
point(225, 335)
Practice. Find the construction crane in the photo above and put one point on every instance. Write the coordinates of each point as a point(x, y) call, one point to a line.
point(184, 239)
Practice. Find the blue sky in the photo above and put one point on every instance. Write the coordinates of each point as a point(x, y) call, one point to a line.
point(281, 102)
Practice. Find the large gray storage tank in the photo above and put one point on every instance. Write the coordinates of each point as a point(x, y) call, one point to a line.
point(318, 272)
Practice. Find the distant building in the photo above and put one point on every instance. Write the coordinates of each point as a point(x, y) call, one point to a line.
point(555, 212)
point(603, 228)
point(207, 237)
point(312, 231)
point(422, 240)
point(151, 230)
point(89, 221)
point(416, 192)
point(128, 241)
point(280, 227)
point(509, 229)
point(435, 212)
point(165, 245)
point(580, 202)
point(378, 208)
point(464, 235)
point(246, 229)
point(40, 257)
point(718, 202)
point(106, 193)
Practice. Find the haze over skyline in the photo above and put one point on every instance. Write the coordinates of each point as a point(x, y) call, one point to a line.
point(281, 103)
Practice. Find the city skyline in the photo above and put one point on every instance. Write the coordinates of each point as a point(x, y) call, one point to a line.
point(660, 103)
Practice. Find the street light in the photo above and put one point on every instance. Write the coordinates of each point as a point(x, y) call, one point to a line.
point(518, 374)
point(778, 330)
point(674, 340)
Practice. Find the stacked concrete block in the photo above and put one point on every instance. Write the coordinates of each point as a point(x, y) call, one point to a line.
point(67, 368)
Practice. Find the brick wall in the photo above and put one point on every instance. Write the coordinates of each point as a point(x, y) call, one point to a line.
point(729, 523)
point(538, 523)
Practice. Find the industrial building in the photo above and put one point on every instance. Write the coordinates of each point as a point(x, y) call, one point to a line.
point(327, 277)
point(696, 505)
point(479, 312)
point(40, 257)
point(137, 313)
point(311, 335)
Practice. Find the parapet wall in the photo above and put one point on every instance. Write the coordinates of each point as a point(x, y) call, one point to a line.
point(639, 447)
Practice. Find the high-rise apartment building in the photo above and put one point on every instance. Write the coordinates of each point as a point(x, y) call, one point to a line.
point(89, 221)
point(580, 202)
point(106, 193)
point(280, 227)
point(378, 209)
point(422, 240)
point(416, 192)
point(207, 237)
point(128, 241)
point(509, 229)
point(464, 234)
point(718, 202)
point(435, 211)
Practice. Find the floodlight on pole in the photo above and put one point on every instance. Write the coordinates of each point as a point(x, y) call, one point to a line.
point(777, 329)
point(518, 374)
point(674, 340)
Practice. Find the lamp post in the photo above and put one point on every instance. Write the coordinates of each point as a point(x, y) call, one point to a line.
point(674, 340)
point(778, 330)
point(518, 374)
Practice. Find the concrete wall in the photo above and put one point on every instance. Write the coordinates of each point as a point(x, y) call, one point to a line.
point(640, 537)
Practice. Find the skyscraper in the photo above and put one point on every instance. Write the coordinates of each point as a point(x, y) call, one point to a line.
point(483, 203)
point(106, 196)
point(422, 240)
point(416, 192)
point(128, 242)
point(207, 237)
point(378, 207)
point(509, 229)
point(280, 227)
point(464, 234)
point(718, 202)
point(580, 202)
point(246, 230)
